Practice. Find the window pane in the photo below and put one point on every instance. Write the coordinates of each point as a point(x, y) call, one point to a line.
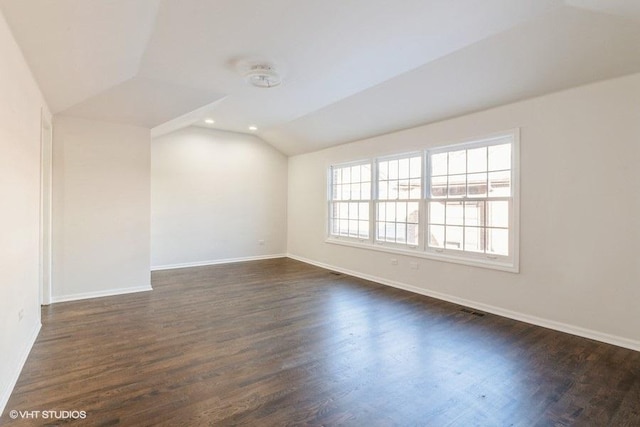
point(474, 239)
point(439, 164)
point(404, 188)
point(457, 185)
point(500, 157)
point(346, 192)
point(415, 189)
point(355, 191)
point(390, 230)
point(498, 214)
point(474, 214)
point(343, 210)
point(413, 212)
point(346, 175)
point(365, 173)
point(393, 169)
point(401, 212)
point(436, 212)
point(477, 160)
point(381, 231)
point(353, 211)
point(413, 234)
point(365, 191)
point(454, 237)
point(500, 184)
point(436, 236)
point(363, 229)
point(355, 173)
point(383, 170)
point(344, 227)
point(498, 241)
point(454, 213)
point(390, 211)
point(393, 190)
point(353, 228)
point(383, 193)
point(457, 162)
point(415, 167)
point(403, 168)
point(477, 185)
point(363, 211)
point(439, 186)
point(401, 232)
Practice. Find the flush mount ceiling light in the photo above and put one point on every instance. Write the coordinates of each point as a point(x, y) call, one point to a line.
point(262, 75)
point(209, 121)
point(253, 128)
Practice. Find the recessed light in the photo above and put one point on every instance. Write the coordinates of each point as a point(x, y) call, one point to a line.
point(209, 121)
point(253, 128)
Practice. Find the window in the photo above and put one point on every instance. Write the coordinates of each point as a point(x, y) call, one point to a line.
point(469, 201)
point(349, 204)
point(399, 185)
point(457, 203)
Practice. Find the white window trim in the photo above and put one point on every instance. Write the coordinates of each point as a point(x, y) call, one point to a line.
point(503, 263)
point(375, 201)
point(337, 238)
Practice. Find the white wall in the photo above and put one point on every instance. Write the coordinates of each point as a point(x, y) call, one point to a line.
point(580, 211)
point(101, 204)
point(20, 106)
point(215, 195)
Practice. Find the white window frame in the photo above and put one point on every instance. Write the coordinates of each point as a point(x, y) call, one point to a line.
point(510, 263)
point(507, 263)
point(330, 201)
point(420, 201)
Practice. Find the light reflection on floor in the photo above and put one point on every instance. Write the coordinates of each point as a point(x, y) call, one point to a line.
point(431, 369)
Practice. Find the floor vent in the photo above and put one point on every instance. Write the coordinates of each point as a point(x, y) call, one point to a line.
point(475, 313)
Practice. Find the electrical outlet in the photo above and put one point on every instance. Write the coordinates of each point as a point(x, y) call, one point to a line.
point(20, 314)
point(413, 265)
point(394, 261)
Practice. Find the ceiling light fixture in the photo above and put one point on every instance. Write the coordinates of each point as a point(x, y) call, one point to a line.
point(263, 76)
point(209, 121)
point(253, 128)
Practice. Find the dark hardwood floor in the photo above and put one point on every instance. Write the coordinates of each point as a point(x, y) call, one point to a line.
point(279, 342)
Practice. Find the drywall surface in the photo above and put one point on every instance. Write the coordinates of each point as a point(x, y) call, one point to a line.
point(101, 204)
point(216, 196)
point(20, 113)
point(579, 204)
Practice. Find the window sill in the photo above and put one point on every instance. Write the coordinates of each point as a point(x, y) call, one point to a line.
point(417, 253)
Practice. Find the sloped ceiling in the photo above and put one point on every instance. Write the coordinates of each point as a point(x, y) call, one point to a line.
point(350, 69)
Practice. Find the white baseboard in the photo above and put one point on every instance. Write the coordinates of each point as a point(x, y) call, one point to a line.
point(546, 323)
point(98, 294)
point(6, 393)
point(216, 262)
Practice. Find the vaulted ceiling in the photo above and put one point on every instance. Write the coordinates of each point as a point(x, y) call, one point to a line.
point(351, 69)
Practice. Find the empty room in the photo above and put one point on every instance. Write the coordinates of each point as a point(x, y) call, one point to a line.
point(321, 212)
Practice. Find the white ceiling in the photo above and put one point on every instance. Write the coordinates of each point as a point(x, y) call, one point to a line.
point(351, 69)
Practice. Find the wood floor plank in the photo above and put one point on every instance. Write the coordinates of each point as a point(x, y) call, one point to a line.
point(279, 342)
